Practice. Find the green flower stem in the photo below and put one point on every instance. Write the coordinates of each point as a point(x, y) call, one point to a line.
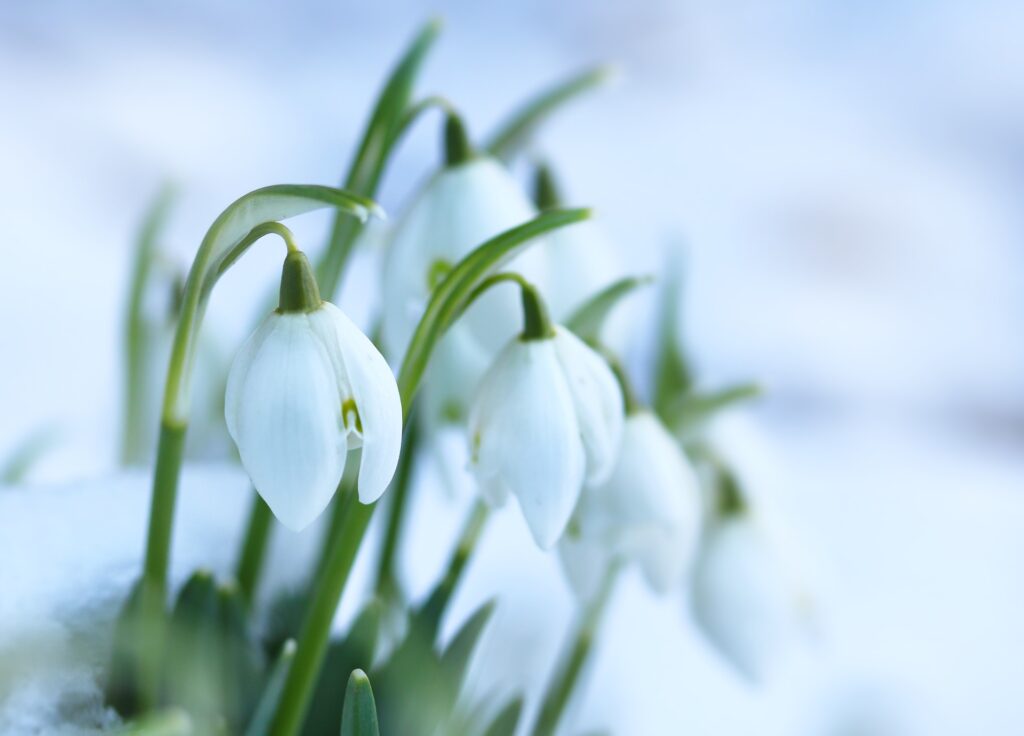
point(386, 577)
point(567, 677)
point(135, 357)
point(254, 548)
point(448, 301)
point(316, 627)
point(227, 238)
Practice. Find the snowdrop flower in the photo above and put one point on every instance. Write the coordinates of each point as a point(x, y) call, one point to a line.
point(473, 198)
point(648, 512)
point(306, 388)
point(745, 597)
point(547, 418)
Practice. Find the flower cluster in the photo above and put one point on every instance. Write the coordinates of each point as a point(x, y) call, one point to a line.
point(496, 321)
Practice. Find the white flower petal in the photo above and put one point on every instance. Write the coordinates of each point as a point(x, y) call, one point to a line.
point(282, 414)
point(523, 431)
point(585, 562)
point(741, 599)
point(597, 400)
point(377, 401)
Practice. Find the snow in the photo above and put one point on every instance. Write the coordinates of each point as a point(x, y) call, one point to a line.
point(846, 179)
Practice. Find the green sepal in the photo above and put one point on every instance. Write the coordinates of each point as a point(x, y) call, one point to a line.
point(299, 290)
point(457, 147)
point(359, 716)
point(587, 320)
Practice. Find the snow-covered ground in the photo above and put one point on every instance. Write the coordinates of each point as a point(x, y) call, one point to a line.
point(846, 179)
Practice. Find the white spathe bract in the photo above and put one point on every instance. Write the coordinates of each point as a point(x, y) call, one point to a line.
point(547, 418)
point(745, 598)
point(459, 208)
point(647, 512)
point(304, 390)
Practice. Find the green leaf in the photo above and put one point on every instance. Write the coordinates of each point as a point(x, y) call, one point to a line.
point(450, 297)
point(456, 657)
point(121, 689)
point(588, 319)
point(356, 651)
point(135, 357)
point(520, 126)
point(359, 717)
point(691, 411)
point(171, 722)
point(26, 454)
point(259, 723)
point(505, 723)
point(386, 123)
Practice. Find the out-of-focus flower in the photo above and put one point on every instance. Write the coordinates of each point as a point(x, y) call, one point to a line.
point(547, 417)
point(473, 198)
point(745, 597)
point(306, 388)
point(647, 512)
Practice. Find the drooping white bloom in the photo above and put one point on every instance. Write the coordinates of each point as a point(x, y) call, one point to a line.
point(460, 208)
point(647, 512)
point(547, 418)
point(745, 598)
point(305, 389)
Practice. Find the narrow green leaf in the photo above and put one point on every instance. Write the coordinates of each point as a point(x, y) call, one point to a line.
point(356, 651)
point(516, 131)
point(387, 121)
point(132, 450)
point(121, 689)
point(505, 723)
point(692, 410)
point(172, 722)
point(26, 454)
point(449, 298)
point(588, 319)
point(359, 716)
point(259, 724)
point(456, 656)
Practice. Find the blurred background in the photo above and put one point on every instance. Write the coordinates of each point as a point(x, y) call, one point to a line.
point(845, 180)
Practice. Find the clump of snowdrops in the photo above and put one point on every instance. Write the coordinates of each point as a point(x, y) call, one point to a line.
point(494, 323)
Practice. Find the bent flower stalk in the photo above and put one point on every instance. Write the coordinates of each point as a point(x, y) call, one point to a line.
point(305, 388)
